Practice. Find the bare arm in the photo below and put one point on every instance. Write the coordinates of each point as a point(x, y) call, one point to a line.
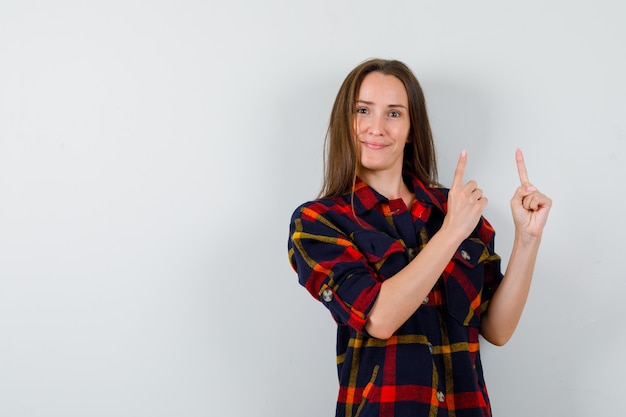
point(401, 295)
point(530, 210)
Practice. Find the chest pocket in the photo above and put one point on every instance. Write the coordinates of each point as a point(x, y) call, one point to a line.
point(385, 254)
point(463, 279)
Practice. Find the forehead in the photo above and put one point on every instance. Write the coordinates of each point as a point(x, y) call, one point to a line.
point(384, 89)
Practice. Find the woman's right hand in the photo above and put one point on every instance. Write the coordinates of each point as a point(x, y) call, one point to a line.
point(465, 204)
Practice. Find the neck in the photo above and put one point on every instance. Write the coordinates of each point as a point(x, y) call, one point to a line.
point(389, 184)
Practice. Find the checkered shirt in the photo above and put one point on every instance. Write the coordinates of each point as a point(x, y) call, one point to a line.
point(431, 365)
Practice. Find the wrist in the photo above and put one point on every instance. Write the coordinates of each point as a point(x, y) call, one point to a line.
point(525, 239)
point(451, 236)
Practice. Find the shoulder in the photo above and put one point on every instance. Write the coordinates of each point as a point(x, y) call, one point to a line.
point(324, 217)
point(322, 207)
point(428, 194)
point(440, 193)
point(433, 196)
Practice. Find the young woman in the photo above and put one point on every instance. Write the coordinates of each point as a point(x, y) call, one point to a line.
point(407, 268)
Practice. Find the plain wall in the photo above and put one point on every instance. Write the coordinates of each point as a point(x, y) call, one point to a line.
point(152, 152)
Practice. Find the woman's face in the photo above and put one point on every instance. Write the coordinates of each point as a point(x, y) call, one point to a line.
point(381, 123)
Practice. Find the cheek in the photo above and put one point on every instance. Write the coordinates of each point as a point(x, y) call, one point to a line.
point(405, 132)
point(401, 132)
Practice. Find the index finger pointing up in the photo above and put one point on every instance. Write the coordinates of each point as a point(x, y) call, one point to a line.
point(521, 167)
point(459, 172)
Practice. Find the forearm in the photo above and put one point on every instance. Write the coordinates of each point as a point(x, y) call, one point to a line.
point(401, 295)
point(506, 306)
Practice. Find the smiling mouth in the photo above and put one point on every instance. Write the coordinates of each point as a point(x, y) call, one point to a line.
point(373, 145)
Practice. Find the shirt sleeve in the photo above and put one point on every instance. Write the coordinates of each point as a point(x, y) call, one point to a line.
point(493, 272)
point(472, 276)
point(331, 267)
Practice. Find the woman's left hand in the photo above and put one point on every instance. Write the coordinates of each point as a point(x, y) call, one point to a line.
point(530, 208)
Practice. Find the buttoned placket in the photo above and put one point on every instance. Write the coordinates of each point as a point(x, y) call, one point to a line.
point(404, 226)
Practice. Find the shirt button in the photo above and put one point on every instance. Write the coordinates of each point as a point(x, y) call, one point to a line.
point(465, 255)
point(425, 301)
point(440, 396)
point(327, 295)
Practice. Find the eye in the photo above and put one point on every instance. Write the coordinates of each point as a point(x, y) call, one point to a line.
point(394, 113)
point(362, 110)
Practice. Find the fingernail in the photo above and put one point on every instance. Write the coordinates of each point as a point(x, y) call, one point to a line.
point(530, 189)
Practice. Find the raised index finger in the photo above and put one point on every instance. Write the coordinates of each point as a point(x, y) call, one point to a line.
point(459, 172)
point(521, 167)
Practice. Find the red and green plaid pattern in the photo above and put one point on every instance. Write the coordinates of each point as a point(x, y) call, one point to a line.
point(431, 366)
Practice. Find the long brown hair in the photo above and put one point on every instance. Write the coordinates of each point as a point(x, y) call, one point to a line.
point(341, 152)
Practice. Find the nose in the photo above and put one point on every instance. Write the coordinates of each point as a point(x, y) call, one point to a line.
point(377, 126)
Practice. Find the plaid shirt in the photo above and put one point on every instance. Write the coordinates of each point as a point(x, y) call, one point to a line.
point(431, 366)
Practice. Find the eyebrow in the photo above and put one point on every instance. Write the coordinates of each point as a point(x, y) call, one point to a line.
point(369, 103)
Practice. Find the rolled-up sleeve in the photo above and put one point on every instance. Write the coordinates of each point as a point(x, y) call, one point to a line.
point(331, 267)
point(493, 273)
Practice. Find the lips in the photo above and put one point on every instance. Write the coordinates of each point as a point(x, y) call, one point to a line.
point(374, 145)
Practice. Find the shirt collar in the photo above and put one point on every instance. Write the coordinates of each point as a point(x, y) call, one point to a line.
point(369, 197)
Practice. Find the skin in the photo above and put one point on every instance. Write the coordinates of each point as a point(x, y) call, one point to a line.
point(382, 127)
point(382, 133)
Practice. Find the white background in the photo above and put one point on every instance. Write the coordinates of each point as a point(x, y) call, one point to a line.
point(151, 154)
